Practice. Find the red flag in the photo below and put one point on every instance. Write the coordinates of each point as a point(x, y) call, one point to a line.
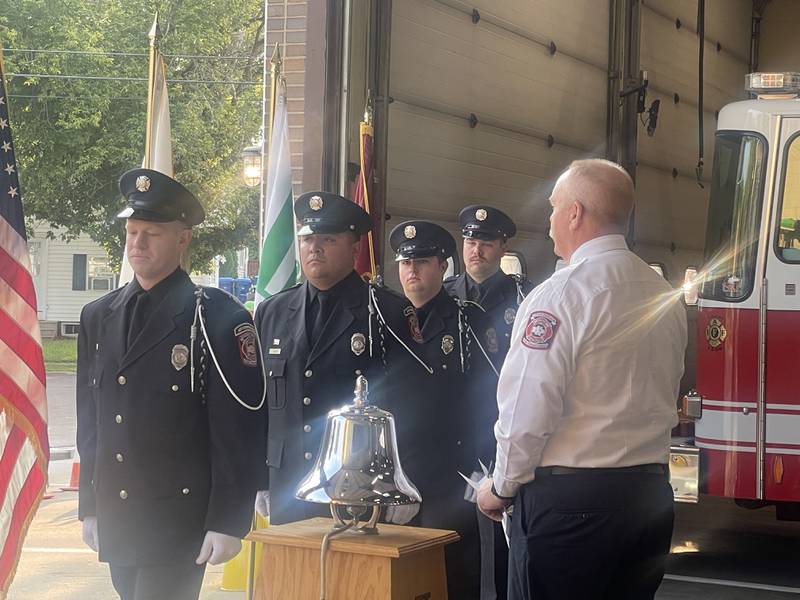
point(367, 258)
point(23, 410)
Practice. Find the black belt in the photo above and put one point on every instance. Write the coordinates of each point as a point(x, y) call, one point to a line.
point(655, 468)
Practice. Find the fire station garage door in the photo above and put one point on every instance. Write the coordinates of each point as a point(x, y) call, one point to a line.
point(491, 101)
point(670, 202)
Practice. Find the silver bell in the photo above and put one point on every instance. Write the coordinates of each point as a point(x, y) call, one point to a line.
point(358, 465)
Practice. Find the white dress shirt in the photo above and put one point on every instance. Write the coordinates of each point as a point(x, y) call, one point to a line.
point(592, 377)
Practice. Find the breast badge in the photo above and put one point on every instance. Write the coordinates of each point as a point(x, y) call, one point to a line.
point(448, 343)
point(246, 337)
point(180, 356)
point(509, 316)
point(540, 330)
point(358, 343)
point(491, 340)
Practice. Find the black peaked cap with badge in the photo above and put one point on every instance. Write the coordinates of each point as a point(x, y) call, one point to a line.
point(154, 196)
point(421, 239)
point(486, 223)
point(324, 212)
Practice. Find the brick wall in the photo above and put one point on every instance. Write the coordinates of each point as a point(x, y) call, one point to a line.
point(286, 25)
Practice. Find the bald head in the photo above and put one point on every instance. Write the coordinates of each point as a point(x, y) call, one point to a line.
point(605, 189)
point(593, 197)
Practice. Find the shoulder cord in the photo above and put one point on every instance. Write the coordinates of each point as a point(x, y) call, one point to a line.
point(462, 303)
point(198, 316)
point(382, 320)
point(520, 293)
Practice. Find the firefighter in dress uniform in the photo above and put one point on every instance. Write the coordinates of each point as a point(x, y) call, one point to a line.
point(434, 422)
point(318, 337)
point(169, 385)
point(496, 297)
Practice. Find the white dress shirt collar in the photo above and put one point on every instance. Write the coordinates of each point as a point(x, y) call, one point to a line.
point(599, 245)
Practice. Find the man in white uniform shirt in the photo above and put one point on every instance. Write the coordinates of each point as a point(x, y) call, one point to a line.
point(587, 398)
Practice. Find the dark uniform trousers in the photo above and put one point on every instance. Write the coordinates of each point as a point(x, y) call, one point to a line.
point(435, 440)
point(499, 298)
point(309, 375)
point(163, 464)
point(170, 582)
point(596, 534)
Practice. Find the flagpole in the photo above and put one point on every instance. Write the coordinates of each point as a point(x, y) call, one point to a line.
point(151, 80)
point(364, 182)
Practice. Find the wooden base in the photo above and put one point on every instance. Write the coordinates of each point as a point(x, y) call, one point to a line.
point(400, 563)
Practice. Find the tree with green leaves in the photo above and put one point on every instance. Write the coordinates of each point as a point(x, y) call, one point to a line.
point(78, 95)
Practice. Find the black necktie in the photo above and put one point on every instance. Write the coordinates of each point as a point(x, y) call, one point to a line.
point(323, 310)
point(138, 317)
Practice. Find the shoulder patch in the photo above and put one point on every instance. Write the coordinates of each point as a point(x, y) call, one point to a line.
point(246, 338)
point(540, 330)
point(413, 324)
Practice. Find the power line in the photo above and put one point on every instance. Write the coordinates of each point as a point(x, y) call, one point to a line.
point(128, 54)
point(103, 78)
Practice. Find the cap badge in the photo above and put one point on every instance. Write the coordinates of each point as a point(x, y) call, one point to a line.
point(315, 203)
point(481, 214)
point(142, 183)
point(448, 343)
point(410, 232)
point(358, 343)
point(180, 356)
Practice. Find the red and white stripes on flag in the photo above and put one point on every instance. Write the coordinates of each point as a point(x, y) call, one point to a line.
point(24, 449)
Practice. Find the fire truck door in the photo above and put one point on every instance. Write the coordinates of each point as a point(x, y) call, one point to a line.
point(779, 444)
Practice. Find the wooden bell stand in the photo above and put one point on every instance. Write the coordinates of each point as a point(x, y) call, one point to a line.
point(400, 563)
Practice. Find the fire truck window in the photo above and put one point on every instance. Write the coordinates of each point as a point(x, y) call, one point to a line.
point(789, 226)
point(734, 216)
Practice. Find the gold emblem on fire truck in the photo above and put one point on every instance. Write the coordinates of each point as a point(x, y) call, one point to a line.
point(715, 332)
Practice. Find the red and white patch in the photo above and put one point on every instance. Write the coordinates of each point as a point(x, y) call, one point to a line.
point(246, 336)
point(413, 324)
point(540, 330)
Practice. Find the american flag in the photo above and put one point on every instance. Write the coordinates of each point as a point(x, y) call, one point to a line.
point(23, 408)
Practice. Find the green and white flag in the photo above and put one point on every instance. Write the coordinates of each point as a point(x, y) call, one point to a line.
point(278, 268)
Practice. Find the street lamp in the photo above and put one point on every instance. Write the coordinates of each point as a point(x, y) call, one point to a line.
point(251, 167)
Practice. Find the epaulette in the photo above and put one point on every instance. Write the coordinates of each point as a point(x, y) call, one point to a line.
point(282, 292)
point(215, 293)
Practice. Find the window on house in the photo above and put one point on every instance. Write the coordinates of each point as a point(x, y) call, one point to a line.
point(78, 272)
point(100, 277)
point(35, 253)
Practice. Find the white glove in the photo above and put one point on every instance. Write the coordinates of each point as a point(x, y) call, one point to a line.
point(262, 503)
point(402, 514)
point(89, 532)
point(218, 548)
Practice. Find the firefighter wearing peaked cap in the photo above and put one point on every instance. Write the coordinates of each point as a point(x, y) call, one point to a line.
point(496, 297)
point(318, 337)
point(434, 417)
point(169, 387)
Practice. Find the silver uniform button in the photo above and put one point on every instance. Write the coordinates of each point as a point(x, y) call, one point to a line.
point(118, 418)
point(121, 380)
point(306, 400)
point(120, 458)
point(358, 371)
point(185, 491)
point(309, 373)
point(175, 388)
point(307, 428)
point(123, 494)
point(308, 456)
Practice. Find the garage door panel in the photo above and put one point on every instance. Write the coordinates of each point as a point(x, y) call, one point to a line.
point(439, 55)
point(723, 20)
point(670, 210)
point(671, 60)
point(438, 163)
point(675, 143)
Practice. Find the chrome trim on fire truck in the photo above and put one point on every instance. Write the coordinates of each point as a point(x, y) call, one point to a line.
point(764, 245)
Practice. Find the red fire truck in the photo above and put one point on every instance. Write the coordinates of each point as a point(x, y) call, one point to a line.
point(746, 407)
